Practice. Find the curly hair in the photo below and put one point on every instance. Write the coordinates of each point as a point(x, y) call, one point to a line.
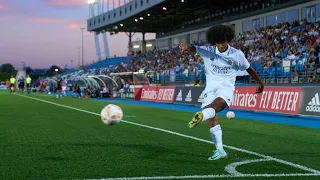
point(220, 34)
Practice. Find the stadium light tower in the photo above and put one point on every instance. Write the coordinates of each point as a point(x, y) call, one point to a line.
point(96, 4)
point(79, 57)
point(82, 45)
point(104, 35)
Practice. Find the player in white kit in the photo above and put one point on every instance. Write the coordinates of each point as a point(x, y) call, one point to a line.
point(64, 87)
point(221, 64)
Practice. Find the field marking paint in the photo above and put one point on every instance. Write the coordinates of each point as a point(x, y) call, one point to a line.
point(187, 136)
point(231, 168)
point(130, 116)
point(209, 176)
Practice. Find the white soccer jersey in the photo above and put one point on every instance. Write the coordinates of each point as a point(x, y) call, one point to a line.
point(221, 68)
point(65, 84)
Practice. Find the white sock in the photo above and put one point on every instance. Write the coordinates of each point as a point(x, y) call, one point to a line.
point(216, 134)
point(208, 113)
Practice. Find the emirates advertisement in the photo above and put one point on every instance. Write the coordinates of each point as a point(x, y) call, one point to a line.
point(156, 94)
point(272, 99)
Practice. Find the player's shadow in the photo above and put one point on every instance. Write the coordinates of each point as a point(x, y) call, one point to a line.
point(148, 151)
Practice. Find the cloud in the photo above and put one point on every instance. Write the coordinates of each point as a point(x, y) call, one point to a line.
point(45, 20)
point(75, 25)
point(66, 3)
point(15, 8)
point(3, 7)
point(79, 3)
point(66, 24)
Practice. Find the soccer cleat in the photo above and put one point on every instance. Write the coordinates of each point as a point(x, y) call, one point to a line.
point(197, 118)
point(218, 154)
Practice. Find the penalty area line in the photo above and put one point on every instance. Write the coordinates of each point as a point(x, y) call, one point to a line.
point(186, 136)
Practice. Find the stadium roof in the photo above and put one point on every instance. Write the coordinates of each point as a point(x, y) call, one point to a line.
point(174, 15)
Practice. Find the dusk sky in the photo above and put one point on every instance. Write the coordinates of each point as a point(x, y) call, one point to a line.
point(46, 32)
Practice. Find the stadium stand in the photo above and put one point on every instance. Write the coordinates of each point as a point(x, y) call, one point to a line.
point(286, 53)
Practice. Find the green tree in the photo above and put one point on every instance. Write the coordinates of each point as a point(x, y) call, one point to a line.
point(28, 70)
point(7, 68)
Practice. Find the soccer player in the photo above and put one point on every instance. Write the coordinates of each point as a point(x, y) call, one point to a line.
point(64, 86)
point(21, 83)
point(221, 64)
point(12, 83)
point(59, 87)
point(28, 80)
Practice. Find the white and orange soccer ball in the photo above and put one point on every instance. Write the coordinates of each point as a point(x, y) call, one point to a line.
point(111, 114)
point(230, 114)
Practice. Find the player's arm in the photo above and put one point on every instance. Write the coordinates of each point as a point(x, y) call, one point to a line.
point(202, 51)
point(256, 77)
point(188, 47)
point(245, 65)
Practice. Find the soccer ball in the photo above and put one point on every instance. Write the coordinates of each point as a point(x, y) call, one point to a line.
point(111, 114)
point(230, 114)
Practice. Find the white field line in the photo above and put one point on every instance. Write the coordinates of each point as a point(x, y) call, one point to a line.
point(130, 116)
point(231, 168)
point(187, 136)
point(210, 176)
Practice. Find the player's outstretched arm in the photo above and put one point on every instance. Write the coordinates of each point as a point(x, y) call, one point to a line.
point(256, 77)
point(187, 47)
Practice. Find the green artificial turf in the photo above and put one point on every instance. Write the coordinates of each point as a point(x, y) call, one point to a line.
point(39, 140)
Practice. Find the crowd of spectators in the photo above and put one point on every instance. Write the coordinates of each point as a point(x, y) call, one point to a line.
point(289, 50)
point(289, 47)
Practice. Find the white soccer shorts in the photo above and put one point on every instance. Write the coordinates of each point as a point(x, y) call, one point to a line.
point(224, 93)
point(64, 88)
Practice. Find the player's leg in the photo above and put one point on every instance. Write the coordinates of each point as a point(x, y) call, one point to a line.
point(214, 102)
point(22, 87)
point(28, 88)
point(63, 90)
point(79, 92)
point(58, 91)
point(205, 113)
point(11, 88)
point(19, 87)
point(215, 129)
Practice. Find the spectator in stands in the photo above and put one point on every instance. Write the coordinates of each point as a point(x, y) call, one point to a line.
point(95, 92)
point(276, 63)
point(311, 67)
point(103, 91)
point(196, 83)
point(76, 91)
point(88, 92)
point(292, 58)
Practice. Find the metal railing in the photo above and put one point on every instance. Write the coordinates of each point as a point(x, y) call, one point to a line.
point(297, 74)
